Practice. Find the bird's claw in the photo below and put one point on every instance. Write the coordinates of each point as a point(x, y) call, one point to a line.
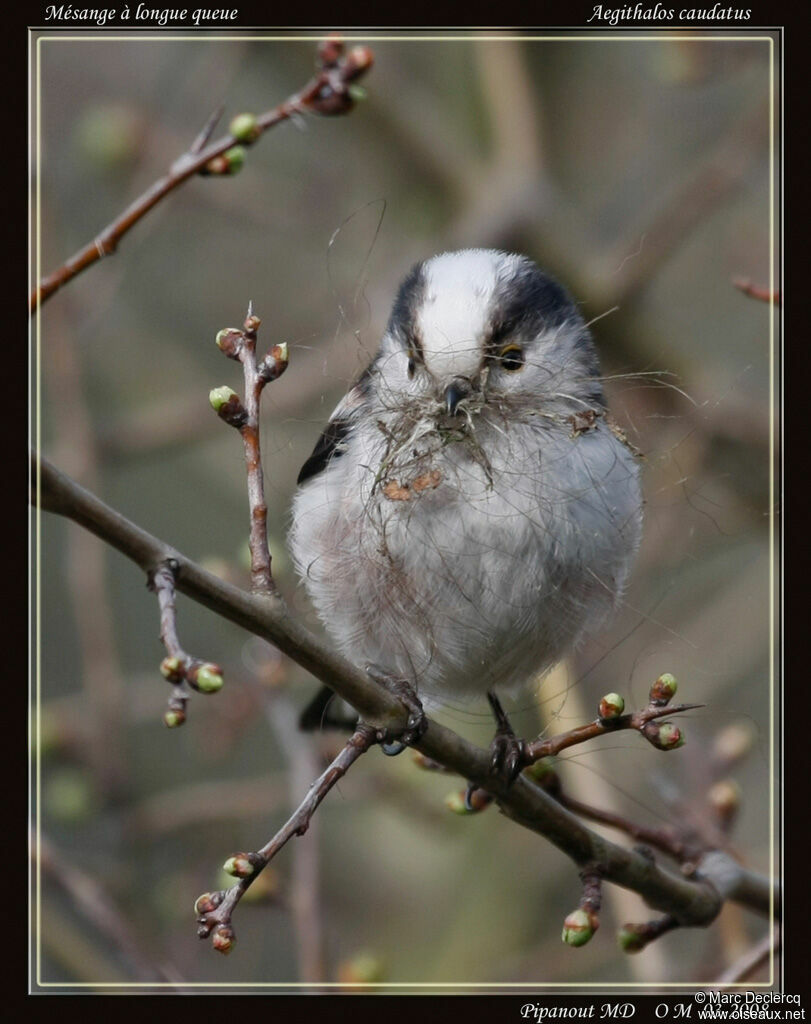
point(416, 724)
point(508, 756)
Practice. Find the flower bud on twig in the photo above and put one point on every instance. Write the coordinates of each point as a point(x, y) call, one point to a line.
point(223, 938)
point(173, 669)
point(241, 865)
point(358, 61)
point(663, 690)
point(229, 341)
point(207, 902)
point(664, 735)
point(579, 927)
point(207, 678)
point(229, 162)
point(275, 363)
point(632, 938)
point(245, 128)
point(611, 707)
point(228, 406)
point(174, 717)
point(252, 322)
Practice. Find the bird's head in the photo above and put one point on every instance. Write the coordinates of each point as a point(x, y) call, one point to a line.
point(481, 328)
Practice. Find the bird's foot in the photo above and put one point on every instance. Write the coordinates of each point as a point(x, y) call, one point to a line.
point(417, 722)
point(508, 756)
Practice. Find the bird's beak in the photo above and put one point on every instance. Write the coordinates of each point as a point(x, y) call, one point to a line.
point(454, 393)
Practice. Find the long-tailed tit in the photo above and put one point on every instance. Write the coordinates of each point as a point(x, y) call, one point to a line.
point(470, 511)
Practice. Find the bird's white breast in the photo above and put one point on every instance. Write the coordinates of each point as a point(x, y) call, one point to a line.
point(463, 567)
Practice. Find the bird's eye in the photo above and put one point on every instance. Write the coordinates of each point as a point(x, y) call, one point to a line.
point(512, 358)
point(412, 365)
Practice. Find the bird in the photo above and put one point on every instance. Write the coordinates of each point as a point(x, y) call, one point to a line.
point(471, 511)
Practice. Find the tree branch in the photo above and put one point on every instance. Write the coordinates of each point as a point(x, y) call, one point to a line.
point(694, 901)
point(241, 345)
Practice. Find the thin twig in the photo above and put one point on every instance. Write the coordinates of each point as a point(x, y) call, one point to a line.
point(215, 909)
point(642, 721)
point(304, 899)
point(207, 130)
point(179, 668)
point(327, 93)
point(241, 345)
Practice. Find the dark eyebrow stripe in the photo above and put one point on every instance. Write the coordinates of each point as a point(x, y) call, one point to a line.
point(403, 320)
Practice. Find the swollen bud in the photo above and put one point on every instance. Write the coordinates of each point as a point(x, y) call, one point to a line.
point(235, 157)
point(240, 865)
point(632, 938)
point(207, 678)
point(227, 405)
point(174, 717)
point(579, 927)
point(207, 902)
point(275, 363)
point(663, 690)
point(173, 669)
point(664, 736)
point(229, 162)
point(358, 61)
point(223, 938)
point(244, 128)
point(611, 707)
point(220, 397)
point(228, 341)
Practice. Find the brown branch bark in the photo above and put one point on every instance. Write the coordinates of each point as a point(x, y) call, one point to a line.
point(691, 901)
point(639, 721)
point(241, 345)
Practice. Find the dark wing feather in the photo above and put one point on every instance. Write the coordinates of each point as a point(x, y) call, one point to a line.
point(329, 446)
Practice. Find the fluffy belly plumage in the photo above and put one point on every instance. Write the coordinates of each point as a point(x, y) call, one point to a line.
point(467, 570)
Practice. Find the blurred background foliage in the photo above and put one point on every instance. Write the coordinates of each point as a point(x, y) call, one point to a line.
point(637, 171)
